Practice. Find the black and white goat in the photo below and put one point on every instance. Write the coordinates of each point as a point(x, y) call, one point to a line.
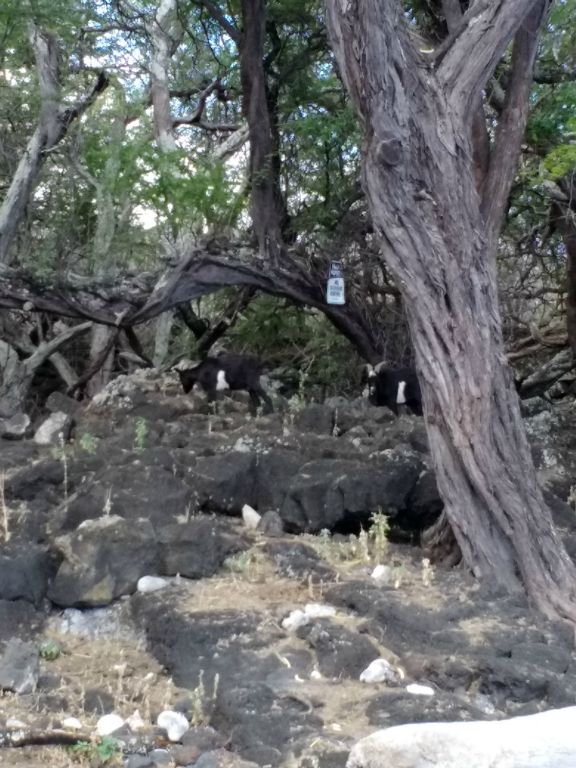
point(228, 371)
point(393, 387)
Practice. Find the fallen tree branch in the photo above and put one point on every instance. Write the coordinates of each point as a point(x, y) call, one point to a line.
point(34, 737)
point(201, 271)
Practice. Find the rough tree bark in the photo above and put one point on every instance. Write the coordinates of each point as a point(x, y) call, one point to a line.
point(563, 217)
point(439, 240)
point(53, 125)
point(267, 207)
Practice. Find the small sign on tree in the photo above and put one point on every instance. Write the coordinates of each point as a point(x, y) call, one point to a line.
point(335, 284)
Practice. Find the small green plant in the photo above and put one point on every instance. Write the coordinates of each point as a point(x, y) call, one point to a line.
point(340, 549)
point(378, 535)
point(140, 434)
point(50, 650)
point(88, 443)
point(107, 751)
point(248, 563)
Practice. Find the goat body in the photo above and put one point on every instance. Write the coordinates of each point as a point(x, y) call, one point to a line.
point(393, 387)
point(228, 371)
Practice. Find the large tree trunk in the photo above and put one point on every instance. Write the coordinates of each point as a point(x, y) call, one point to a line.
point(52, 127)
point(165, 33)
point(267, 206)
point(439, 242)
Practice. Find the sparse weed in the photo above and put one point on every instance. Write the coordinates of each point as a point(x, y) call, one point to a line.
point(198, 713)
point(89, 443)
point(107, 508)
point(249, 564)
point(378, 535)
point(140, 434)
point(340, 549)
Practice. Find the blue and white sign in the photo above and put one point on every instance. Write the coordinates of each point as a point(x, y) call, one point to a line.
point(335, 285)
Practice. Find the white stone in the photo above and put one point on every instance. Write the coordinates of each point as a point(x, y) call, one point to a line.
point(382, 574)
point(151, 584)
point(379, 671)
point(13, 722)
point(319, 610)
point(107, 724)
point(250, 517)
point(174, 723)
point(295, 620)
point(53, 430)
point(72, 723)
point(135, 721)
point(544, 740)
point(420, 690)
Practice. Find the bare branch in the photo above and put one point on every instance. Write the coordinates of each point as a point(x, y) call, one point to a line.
point(512, 121)
point(219, 16)
point(48, 348)
point(468, 58)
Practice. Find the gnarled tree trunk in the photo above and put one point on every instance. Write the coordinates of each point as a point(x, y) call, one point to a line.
point(439, 239)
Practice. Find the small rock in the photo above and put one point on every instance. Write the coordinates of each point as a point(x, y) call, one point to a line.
point(382, 574)
point(139, 761)
point(186, 755)
point(295, 620)
point(319, 610)
point(420, 690)
point(13, 723)
point(135, 722)
point(54, 429)
point(58, 402)
point(271, 524)
point(15, 427)
point(72, 723)
point(161, 757)
point(107, 724)
point(379, 671)
point(222, 758)
point(250, 517)
point(174, 723)
point(19, 667)
point(151, 584)
point(204, 737)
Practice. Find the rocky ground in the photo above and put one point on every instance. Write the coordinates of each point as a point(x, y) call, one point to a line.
point(279, 637)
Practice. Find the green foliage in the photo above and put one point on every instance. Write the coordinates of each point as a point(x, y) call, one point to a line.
point(50, 650)
point(378, 535)
point(299, 339)
point(88, 443)
point(140, 434)
point(105, 752)
point(560, 161)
